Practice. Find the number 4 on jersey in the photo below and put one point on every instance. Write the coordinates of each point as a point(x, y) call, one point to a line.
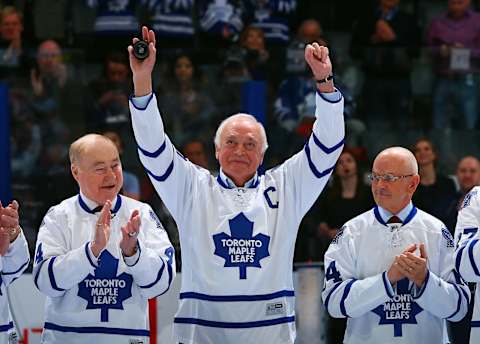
point(332, 273)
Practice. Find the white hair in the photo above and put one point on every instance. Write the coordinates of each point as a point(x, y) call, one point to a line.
point(405, 153)
point(237, 116)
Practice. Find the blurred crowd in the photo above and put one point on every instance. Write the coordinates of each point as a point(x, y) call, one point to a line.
point(408, 71)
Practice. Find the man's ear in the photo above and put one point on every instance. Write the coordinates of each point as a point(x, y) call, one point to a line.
point(74, 170)
point(216, 152)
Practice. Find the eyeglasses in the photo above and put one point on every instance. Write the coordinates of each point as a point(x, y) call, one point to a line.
point(386, 177)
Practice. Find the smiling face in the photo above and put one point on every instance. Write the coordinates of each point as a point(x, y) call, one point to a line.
point(97, 168)
point(184, 69)
point(424, 153)
point(240, 150)
point(11, 26)
point(394, 195)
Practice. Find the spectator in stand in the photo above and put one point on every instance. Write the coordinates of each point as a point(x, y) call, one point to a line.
point(385, 40)
point(436, 191)
point(195, 151)
point(454, 38)
point(131, 184)
point(57, 96)
point(468, 176)
point(256, 55)
point(187, 99)
point(13, 54)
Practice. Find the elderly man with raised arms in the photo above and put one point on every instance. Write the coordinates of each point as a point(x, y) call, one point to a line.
point(238, 230)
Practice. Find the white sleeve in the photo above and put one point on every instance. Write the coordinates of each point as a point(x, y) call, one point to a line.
point(467, 256)
point(307, 172)
point(56, 269)
point(171, 174)
point(344, 294)
point(154, 270)
point(15, 260)
point(447, 287)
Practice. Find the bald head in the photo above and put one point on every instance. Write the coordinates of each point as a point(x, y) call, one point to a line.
point(405, 159)
point(82, 145)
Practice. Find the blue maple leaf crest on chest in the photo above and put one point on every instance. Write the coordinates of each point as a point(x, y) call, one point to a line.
point(241, 249)
point(399, 310)
point(105, 290)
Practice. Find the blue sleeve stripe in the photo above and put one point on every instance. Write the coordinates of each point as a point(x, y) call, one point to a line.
point(221, 324)
point(314, 170)
point(156, 153)
point(35, 280)
point(459, 302)
point(159, 276)
point(423, 287)
point(458, 259)
point(51, 276)
point(346, 291)
point(327, 299)
point(6, 327)
point(475, 323)
point(100, 330)
point(88, 255)
point(18, 270)
point(164, 176)
point(328, 99)
point(472, 258)
point(236, 298)
point(132, 101)
point(325, 149)
point(387, 285)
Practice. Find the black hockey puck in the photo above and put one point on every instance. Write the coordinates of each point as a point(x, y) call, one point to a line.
point(140, 50)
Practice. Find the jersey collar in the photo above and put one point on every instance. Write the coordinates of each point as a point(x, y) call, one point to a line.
point(406, 214)
point(88, 205)
point(227, 183)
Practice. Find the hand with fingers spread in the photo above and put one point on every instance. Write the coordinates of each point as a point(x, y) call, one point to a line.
point(394, 273)
point(102, 230)
point(142, 69)
point(318, 59)
point(412, 266)
point(128, 244)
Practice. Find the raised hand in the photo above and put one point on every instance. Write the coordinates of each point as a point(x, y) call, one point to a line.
point(142, 69)
point(9, 225)
point(413, 266)
point(318, 59)
point(128, 244)
point(102, 230)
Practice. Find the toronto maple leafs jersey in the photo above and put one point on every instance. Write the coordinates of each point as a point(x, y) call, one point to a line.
point(357, 287)
point(237, 242)
point(172, 18)
point(12, 265)
point(99, 301)
point(115, 16)
point(467, 260)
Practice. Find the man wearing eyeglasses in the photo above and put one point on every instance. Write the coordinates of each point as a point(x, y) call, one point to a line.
point(99, 255)
point(390, 269)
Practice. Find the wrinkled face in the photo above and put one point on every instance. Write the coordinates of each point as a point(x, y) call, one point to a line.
point(240, 151)
point(254, 40)
point(393, 195)
point(117, 72)
point(99, 171)
point(11, 27)
point(195, 152)
point(458, 7)
point(49, 57)
point(183, 69)
point(424, 153)
point(346, 165)
point(468, 173)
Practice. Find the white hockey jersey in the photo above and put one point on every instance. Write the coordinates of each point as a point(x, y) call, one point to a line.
point(100, 301)
point(12, 265)
point(238, 242)
point(467, 260)
point(357, 287)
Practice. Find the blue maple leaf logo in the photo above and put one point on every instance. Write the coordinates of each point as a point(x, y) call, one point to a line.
point(105, 290)
point(241, 249)
point(39, 255)
point(399, 310)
